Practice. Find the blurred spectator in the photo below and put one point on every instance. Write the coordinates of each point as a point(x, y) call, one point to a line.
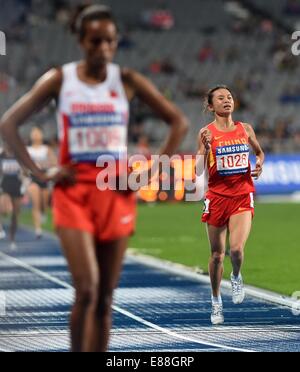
point(155, 67)
point(283, 59)
point(165, 66)
point(255, 82)
point(167, 92)
point(126, 41)
point(168, 67)
point(6, 82)
point(54, 144)
point(296, 137)
point(291, 94)
point(160, 19)
point(282, 129)
point(207, 53)
point(240, 84)
point(3, 84)
point(247, 25)
point(292, 7)
point(163, 19)
point(63, 16)
point(232, 54)
point(264, 135)
point(263, 128)
point(241, 103)
point(266, 26)
point(13, 18)
point(239, 88)
point(192, 89)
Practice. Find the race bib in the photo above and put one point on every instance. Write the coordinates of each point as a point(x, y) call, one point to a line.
point(10, 167)
point(232, 160)
point(96, 134)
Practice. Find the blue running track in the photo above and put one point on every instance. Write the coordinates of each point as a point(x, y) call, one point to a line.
point(154, 310)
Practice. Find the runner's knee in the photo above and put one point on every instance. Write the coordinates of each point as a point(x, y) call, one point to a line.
point(87, 292)
point(236, 251)
point(218, 257)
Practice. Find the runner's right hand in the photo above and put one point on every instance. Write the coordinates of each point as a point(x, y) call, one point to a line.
point(206, 138)
point(64, 175)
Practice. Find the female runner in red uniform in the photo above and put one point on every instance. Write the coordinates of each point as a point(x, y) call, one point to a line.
point(93, 226)
point(229, 204)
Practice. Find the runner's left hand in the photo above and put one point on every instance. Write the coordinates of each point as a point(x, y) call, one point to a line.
point(63, 176)
point(256, 173)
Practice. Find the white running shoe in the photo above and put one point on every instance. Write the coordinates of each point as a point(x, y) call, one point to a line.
point(238, 291)
point(38, 234)
point(217, 316)
point(2, 235)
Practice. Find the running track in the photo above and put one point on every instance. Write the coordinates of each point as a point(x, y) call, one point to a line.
point(154, 310)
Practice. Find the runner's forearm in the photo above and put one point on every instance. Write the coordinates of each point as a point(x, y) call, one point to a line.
point(11, 136)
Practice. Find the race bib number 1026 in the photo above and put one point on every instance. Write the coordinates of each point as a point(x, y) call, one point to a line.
point(232, 160)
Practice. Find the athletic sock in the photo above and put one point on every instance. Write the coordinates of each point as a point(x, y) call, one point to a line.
point(217, 300)
point(236, 277)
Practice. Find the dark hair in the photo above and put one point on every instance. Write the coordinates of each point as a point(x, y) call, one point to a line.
point(210, 95)
point(87, 13)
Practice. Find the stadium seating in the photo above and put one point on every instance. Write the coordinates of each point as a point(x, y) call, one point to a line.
point(237, 55)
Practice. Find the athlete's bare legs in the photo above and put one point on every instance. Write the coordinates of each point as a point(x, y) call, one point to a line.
point(16, 203)
point(217, 238)
point(34, 192)
point(45, 194)
point(239, 230)
point(110, 259)
point(95, 271)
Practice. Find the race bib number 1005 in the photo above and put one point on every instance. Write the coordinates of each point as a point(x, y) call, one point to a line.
point(91, 136)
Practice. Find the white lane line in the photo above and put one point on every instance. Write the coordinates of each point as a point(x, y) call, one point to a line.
point(4, 351)
point(138, 319)
point(38, 272)
point(176, 335)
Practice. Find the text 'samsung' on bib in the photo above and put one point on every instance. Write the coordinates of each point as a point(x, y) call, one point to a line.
point(232, 160)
